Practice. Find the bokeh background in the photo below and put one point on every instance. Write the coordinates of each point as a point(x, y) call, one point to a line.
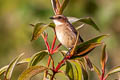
point(15, 31)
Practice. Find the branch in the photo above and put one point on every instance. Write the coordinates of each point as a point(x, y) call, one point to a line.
point(57, 47)
point(53, 44)
point(46, 43)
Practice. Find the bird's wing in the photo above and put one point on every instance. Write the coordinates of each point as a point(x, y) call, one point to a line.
point(71, 27)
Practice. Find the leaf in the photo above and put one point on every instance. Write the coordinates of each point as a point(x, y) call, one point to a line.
point(114, 70)
point(38, 29)
point(55, 6)
point(32, 71)
point(86, 47)
point(78, 22)
point(72, 20)
point(97, 70)
point(24, 61)
point(78, 72)
point(82, 62)
point(89, 63)
point(79, 27)
point(3, 69)
point(83, 67)
point(88, 21)
point(53, 2)
point(52, 25)
point(11, 66)
point(104, 57)
point(69, 70)
point(63, 6)
point(84, 50)
point(85, 74)
point(37, 57)
point(97, 39)
point(58, 5)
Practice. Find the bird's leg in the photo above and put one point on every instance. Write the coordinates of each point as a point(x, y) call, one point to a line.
point(68, 53)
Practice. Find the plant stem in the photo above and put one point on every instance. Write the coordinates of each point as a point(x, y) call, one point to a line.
point(49, 60)
point(103, 73)
point(59, 65)
point(53, 44)
point(46, 43)
point(53, 76)
point(57, 47)
point(105, 77)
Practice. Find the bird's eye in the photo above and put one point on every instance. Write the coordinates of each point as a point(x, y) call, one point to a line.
point(59, 17)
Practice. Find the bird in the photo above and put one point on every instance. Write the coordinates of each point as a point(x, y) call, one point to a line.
point(65, 31)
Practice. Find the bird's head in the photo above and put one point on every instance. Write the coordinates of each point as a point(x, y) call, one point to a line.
point(59, 19)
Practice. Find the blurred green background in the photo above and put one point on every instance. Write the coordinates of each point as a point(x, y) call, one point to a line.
point(15, 31)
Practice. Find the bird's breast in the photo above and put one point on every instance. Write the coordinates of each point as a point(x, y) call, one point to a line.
point(65, 36)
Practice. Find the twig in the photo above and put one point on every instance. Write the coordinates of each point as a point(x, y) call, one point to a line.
point(103, 73)
point(57, 47)
point(45, 40)
point(53, 44)
point(59, 65)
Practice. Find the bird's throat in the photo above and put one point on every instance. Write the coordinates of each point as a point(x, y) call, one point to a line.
point(57, 23)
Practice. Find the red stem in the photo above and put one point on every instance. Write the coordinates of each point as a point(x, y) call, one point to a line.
point(52, 51)
point(53, 44)
point(102, 77)
point(103, 73)
point(46, 43)
point(49, 60)
point(105, 77)
point(59, 65)
point(57, 47)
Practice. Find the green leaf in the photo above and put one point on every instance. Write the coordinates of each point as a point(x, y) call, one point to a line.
point(78, 22)
point(32, 71)
point(37, 57)
point(83, 67)
point(52, 25)
point(114, 70)
point(97, 70)
point(63, 6)
point(75, 22)
point(3, 69)
point(38, 29)
point(88, 21)
point(84, 48)
point(24, 61)
point(104, 57)
point(85, 74)
point(69, 70)
point(77, 71)
point(97, 39)
point(82, 62)
point(11, 66)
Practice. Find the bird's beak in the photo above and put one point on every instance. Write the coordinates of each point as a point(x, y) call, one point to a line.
point(51, 17)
